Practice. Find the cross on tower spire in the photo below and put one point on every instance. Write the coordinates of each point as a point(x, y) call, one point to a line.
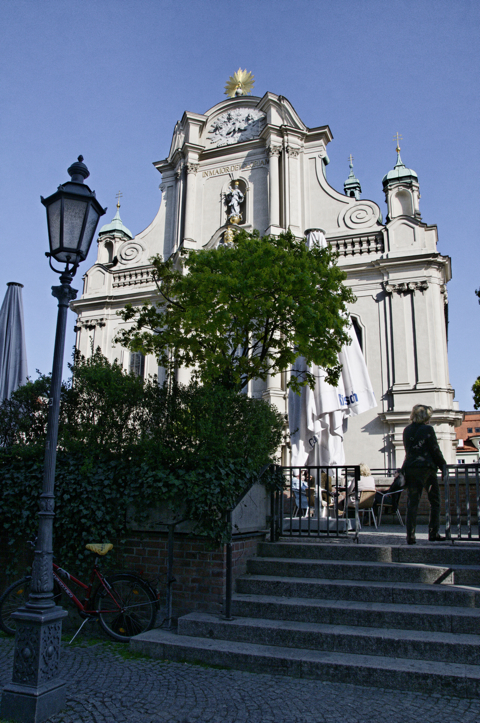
point(397, 137)
point(118, 196)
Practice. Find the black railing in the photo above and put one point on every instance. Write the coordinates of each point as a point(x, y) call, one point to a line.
point(316, 501)
point(462, 502)
point(461, 491)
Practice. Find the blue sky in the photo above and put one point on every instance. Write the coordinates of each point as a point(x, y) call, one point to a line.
point(109, 80)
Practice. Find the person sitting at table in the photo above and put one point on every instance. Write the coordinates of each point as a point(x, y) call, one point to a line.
point(302, 492)
point(366, 482)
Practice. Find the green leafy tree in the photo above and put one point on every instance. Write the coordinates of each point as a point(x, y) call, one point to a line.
point(23, 416)
point(243, 310)
point(126, 445)
point(476, 394)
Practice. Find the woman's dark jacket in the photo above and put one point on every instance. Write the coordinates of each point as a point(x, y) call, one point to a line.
point(421, 447)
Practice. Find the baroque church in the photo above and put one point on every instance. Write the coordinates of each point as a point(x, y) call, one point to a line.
point(251, 163)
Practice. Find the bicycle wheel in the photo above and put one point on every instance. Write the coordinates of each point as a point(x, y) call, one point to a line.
point(13, 598)
point(125, 607)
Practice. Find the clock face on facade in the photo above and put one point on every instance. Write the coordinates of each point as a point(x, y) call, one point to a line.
point(236, 125)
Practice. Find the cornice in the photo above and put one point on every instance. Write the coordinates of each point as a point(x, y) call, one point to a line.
point(240, 148)
point(403, 417)
point(228, 103)
point(434, 258)
point(112, 300)
point(318, 134)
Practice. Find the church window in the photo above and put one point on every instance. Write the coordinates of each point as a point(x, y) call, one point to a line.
point(137, 364)
point(477, 429)
point(358, 331)
point(469, 430)
point(109, 250)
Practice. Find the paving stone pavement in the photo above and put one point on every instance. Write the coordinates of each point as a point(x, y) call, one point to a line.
point(106, 687)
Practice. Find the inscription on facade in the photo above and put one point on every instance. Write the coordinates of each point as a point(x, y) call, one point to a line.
point(235, 167)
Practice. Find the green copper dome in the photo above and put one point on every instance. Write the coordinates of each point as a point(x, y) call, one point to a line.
point(399, 173)
point(116, 224)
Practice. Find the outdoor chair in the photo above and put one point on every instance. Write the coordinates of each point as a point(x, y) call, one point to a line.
point(365, 504)
point(390, 503)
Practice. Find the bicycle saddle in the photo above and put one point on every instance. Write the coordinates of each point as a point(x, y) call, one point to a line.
point(100, 548)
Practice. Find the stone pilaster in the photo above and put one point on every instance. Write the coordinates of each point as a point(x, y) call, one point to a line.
point(274, 188)
point(191, 170)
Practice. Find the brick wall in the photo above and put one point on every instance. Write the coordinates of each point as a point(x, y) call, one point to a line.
point(198, 570)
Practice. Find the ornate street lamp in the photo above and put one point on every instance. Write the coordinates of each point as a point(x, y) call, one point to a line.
point(36, 691)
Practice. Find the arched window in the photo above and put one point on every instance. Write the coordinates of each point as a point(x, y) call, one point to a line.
point(358, 331)
point(402, 204)
point(137, 364)
point(109, 250)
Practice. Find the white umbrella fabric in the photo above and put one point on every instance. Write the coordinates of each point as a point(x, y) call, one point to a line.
point(318, 418)
point(13, 352)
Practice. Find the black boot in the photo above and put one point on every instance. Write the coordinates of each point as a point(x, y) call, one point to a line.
point(435, 537)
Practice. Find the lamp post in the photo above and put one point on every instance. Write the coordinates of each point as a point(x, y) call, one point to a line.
point(36, 691)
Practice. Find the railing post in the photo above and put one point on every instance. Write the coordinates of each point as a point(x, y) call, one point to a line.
point(448, 530)
point(457, 500)
point(477, 490)
point(228, 582)
point(272, 515)
point(357, 516)
point(170, 578)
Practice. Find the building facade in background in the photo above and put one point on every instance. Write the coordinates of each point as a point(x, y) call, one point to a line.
point(468, 436)
point(251, 163)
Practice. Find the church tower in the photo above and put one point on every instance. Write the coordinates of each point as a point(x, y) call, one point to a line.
point(352, 185)
point(401, 189)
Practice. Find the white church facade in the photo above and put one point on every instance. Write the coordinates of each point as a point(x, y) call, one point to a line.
point(261, 148)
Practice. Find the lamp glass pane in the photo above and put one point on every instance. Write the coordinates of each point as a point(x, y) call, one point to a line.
point(90, 227)
point(53, 218)
point(73, 215)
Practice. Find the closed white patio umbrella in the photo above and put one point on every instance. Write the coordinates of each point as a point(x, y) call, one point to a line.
point(318, 418)
point(13, 353)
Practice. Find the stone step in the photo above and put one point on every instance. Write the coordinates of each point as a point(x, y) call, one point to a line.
point(418, 675)
point(350, 570)
point(466, 575)
point(409, 644)
point(446, 619)
point(433, 553)
point(359, 590)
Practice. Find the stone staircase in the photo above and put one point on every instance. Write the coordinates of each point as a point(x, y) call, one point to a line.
point(390, 616)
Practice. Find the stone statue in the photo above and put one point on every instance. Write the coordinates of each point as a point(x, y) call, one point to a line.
point(234, 198)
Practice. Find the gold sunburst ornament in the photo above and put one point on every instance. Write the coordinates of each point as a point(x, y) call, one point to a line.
point(240, 83)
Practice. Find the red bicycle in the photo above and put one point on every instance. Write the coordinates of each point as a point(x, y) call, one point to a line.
point(124, 603)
